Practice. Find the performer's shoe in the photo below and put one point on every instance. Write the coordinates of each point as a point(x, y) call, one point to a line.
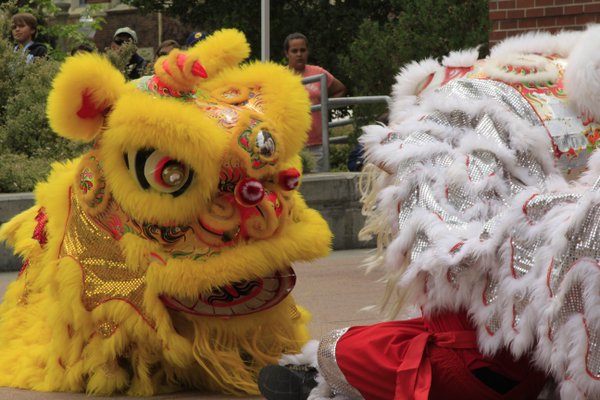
point(292, 382)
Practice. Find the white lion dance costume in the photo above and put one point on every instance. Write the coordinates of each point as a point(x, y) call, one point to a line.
point(486, 203)
point(161, 259)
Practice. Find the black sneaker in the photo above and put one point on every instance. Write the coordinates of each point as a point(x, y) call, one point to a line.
point(292, 382)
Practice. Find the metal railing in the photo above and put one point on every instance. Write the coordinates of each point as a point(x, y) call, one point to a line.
point(336, 102)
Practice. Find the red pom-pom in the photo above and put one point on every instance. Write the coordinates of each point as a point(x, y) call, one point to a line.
point(249, 192)
point(289, 179)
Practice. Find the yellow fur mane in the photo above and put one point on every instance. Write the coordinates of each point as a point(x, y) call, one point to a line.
point(160, 260)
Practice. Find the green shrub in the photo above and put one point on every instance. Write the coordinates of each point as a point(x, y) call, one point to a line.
point(338, 157)
point(371, 65)
point(19, 173)
point(26, 129)
point(308, 161)
point(121, 58)
point(27, 144)
point(423, 29)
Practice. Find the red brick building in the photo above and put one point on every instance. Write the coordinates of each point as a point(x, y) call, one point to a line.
point(511, 17)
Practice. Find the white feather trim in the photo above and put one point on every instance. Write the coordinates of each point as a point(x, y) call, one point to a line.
point(324, 392)
point(307, 356)
point(582, 76)
point(537, 42)
point(569, 390)
point(461, 58)
point(405, 90)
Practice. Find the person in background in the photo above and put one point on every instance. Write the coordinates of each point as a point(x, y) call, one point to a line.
point(137, 64)
point(24, 29)
point(194, 38)
point(356, 158)
point(82, 48)
point(165, 48)
point(295, 47)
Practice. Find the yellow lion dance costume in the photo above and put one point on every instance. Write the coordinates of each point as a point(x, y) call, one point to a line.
point(160, 259)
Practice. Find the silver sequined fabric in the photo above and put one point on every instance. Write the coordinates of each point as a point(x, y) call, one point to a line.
point(329, 368)
point(584, 243)
point(572, 303)
point(520, 302)
point(473, 89)
point(596, 185)
point(522, 256)
point(481, 165)
point(492, 219)
point(539, 205)
point(493, 324)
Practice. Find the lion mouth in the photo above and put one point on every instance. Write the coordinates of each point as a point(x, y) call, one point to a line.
point(237, 298)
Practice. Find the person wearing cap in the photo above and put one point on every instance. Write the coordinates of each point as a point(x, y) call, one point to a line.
point(165, 48)
point(24, 28)
point(82, 48)
point(137, 64)
point(194, 38)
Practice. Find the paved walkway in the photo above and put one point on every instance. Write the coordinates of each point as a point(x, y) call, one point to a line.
point(334, 289)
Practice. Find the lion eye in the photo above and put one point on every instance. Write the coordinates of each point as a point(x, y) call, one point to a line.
point(265, 143)
point(173, 174)
point(157, 170)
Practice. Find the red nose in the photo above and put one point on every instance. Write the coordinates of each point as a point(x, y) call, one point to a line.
point(289, 179)
point(249, 192)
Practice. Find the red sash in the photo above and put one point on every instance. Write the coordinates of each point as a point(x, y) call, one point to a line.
point(415, 370)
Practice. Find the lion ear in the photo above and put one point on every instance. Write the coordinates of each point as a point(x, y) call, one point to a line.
point(223, 49)
point(83, 91)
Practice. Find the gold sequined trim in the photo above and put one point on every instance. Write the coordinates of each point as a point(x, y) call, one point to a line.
point(107, 328)
point(105, 273)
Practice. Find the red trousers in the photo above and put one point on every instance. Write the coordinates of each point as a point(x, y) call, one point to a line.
point(434, 358)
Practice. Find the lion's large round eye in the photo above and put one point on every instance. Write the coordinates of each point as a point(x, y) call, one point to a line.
point(265, 143)
point(157, 170)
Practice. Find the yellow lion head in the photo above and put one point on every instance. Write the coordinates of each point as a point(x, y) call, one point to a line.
point(177, 230)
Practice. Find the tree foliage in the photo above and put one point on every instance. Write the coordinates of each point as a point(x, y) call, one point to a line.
point(362, 42)
point(27, 144)
point(432, 28)
point(422, 29)
point(329, 25)
point(58, 35)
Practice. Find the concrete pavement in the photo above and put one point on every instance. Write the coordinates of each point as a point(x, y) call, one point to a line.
point(335, 289)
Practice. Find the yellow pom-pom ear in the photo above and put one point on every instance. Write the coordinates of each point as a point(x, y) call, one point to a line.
point(223, 49)
point(83, 93)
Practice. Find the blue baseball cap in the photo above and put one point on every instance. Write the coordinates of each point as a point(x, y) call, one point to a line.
point(194, 38)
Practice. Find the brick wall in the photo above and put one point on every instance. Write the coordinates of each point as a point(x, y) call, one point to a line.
point(145, 25)
point(511, 17)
